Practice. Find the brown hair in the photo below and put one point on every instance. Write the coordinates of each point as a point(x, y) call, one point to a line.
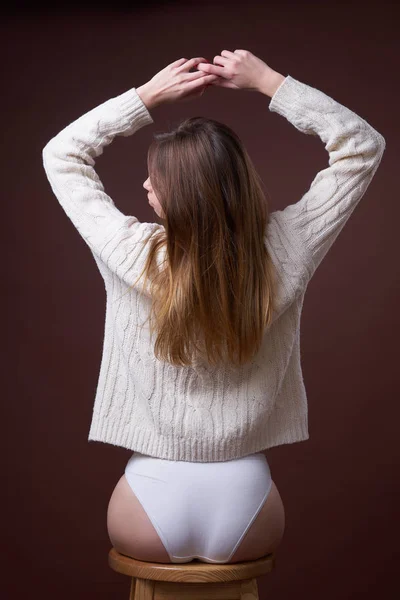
point(217, 284)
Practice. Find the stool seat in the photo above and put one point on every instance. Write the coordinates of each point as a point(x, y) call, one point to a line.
point(232, 580)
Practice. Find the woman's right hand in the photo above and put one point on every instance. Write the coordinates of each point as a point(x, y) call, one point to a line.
point(239, 70)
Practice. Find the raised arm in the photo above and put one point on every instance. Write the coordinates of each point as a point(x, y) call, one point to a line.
point(114, 238)
point(355, 150)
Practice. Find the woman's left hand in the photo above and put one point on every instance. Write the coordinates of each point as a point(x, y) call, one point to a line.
point(175, 83)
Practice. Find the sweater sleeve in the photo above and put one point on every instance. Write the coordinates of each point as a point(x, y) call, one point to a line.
point(68, 160)
point(355, 150)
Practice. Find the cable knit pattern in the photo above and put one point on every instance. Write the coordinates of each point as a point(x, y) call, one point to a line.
point(203, 413)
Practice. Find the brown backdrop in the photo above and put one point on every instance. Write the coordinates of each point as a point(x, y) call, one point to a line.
point(341, 487)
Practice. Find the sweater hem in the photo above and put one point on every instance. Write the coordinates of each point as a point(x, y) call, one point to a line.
point(154, 444)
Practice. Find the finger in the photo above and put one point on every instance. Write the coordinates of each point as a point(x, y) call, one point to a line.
point(225, 83)
point(195, 75)
point(219, 60)
point(228, 54)
point(179, 62)
point(193, 62)
point(212, 69)
point(199, 82)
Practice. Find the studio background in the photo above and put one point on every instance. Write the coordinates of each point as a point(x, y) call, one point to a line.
point(340, 488)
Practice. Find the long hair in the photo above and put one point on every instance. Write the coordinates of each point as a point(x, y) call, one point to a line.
point(214, 297)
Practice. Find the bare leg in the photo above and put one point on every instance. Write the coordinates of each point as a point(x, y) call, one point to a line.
point(130, 529)
point(266, 533)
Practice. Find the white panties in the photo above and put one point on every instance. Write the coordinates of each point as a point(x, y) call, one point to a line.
point(200, 510)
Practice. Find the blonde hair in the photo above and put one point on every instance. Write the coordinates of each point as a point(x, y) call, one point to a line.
point(214, 297)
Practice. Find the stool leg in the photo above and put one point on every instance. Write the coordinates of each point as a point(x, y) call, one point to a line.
point(249, 589)
point(133, 586)
point(144, 589)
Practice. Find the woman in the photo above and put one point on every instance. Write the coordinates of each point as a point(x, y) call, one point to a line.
point(130, 529)
point(198, 485)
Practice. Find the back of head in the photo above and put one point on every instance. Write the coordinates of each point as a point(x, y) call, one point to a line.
point(214, 297)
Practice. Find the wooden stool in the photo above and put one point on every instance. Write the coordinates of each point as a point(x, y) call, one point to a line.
point(195, 580)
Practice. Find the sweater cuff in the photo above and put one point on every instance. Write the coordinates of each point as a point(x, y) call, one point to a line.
point(133, 108)
point(287, 93)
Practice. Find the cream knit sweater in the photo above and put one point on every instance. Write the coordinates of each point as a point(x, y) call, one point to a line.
point(200, 413)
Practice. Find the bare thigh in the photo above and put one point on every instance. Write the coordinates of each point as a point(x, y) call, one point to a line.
point(132, 533)
point(129, 528)
point(265, 534)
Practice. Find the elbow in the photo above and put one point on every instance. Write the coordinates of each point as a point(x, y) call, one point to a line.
point(44, 155)
point(46, 150)
point(381, 147)
point(381, 141)
point(47, 155)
